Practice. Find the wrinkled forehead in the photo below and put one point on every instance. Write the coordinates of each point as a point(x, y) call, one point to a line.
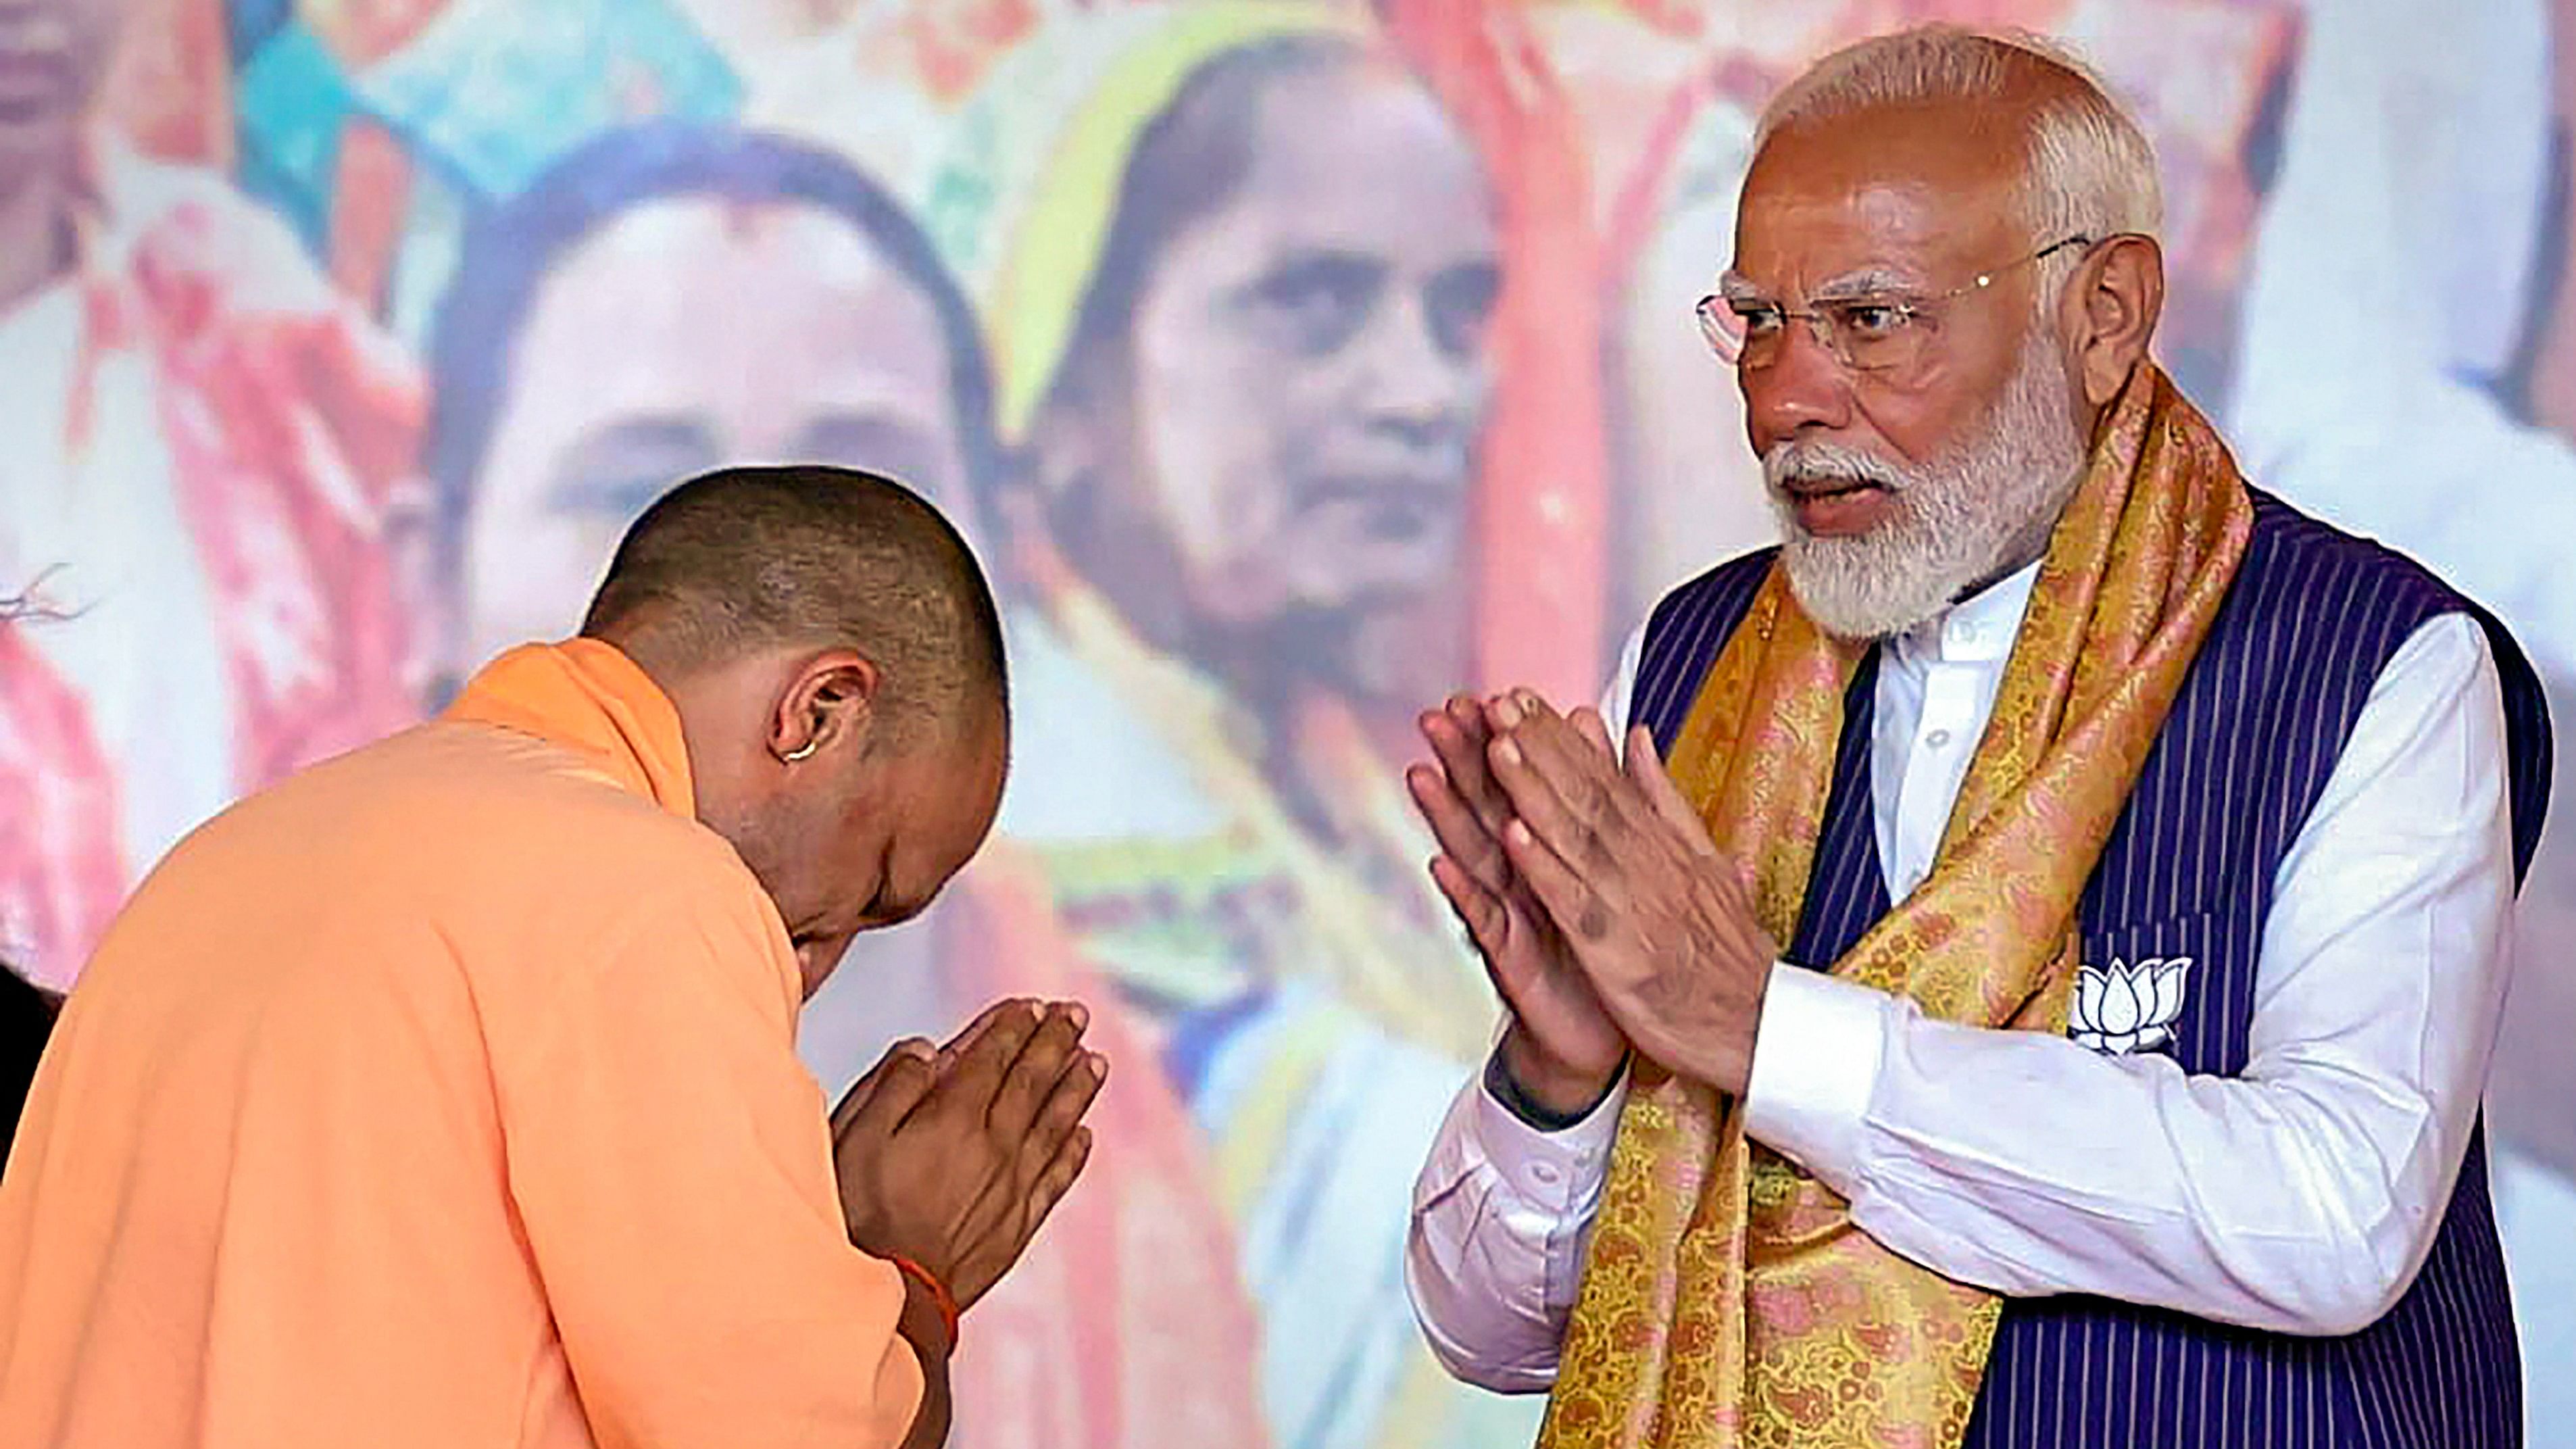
point(1916, 196)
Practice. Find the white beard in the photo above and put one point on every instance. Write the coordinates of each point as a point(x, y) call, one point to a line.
point(1959, 520)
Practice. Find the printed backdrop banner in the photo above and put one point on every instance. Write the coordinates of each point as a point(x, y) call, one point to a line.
point(1291, 362)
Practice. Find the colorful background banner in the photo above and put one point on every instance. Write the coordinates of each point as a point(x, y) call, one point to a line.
point(1292, 363)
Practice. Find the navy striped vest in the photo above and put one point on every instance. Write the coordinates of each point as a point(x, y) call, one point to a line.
point(2261, 718)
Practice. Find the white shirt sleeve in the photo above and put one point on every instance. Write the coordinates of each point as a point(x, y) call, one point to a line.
point(1501, 1213)
point(1501, 1209)
point(2300, 1197)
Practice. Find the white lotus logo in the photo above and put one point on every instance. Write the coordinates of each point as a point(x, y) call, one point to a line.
point(2128, 1008)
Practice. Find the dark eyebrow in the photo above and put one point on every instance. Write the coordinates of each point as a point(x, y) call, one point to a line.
point(1324, 254)
point(1311, 263)
point(649, 446)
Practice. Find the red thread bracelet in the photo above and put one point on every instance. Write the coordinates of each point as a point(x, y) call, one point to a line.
point(939, 1295)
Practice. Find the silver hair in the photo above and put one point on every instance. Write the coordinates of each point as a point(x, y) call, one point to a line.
point(2090, 171)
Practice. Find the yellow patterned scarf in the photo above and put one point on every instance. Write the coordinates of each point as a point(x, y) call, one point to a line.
point(1728, 1300)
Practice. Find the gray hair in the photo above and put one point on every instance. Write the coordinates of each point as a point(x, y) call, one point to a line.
point(2090, 171)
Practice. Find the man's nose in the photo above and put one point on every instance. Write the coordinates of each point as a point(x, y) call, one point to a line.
point(1801, 385)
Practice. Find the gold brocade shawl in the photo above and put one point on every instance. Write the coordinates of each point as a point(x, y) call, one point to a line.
point(1728, 1300)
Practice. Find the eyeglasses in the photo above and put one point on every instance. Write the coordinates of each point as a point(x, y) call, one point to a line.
point(1867, 332)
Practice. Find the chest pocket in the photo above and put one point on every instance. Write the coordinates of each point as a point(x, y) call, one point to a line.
point(2182, 985)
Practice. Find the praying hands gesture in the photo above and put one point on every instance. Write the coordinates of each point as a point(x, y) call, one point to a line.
point(952, 1158)
point(1561, 1049)
point(1604, 912)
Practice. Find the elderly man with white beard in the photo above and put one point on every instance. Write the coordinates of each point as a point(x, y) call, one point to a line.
point(2028, 976)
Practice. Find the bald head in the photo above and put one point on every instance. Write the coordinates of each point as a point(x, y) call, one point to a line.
point(751, 560)
point(834, 656)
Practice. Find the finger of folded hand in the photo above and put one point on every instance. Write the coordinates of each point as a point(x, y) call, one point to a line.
point(1043, 1062)
point(1478, 908)
point(1062, 1113)
point(1066, 1164)
point(1565, 800)
point(1462, 834)
point(1578, 909)
point(879, 1102)
point(1459, 747)
point(974, 1072)
point(1595, 731)
point(1646, 769)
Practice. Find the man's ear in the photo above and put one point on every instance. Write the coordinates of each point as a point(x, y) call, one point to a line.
point(830, 702)
point(2110, 311)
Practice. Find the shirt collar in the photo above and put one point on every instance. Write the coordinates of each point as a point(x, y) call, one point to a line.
point(587, 696)
point(1978, 629)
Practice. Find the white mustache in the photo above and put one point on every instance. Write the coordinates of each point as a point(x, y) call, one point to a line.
point(1815, 461)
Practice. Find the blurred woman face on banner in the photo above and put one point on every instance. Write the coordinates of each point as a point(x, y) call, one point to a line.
point(52, 55)
point(1262, 439)
point(739, 333)
point(726, 320)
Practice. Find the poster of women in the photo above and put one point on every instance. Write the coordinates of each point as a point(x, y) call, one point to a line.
point(1291, 363)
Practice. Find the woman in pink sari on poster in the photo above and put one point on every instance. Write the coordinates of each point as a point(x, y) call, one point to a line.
point(206, 450)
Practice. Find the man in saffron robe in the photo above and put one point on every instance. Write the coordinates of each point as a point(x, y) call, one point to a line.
point(670, 295)
point(446, 1094)
point(2030, 979)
